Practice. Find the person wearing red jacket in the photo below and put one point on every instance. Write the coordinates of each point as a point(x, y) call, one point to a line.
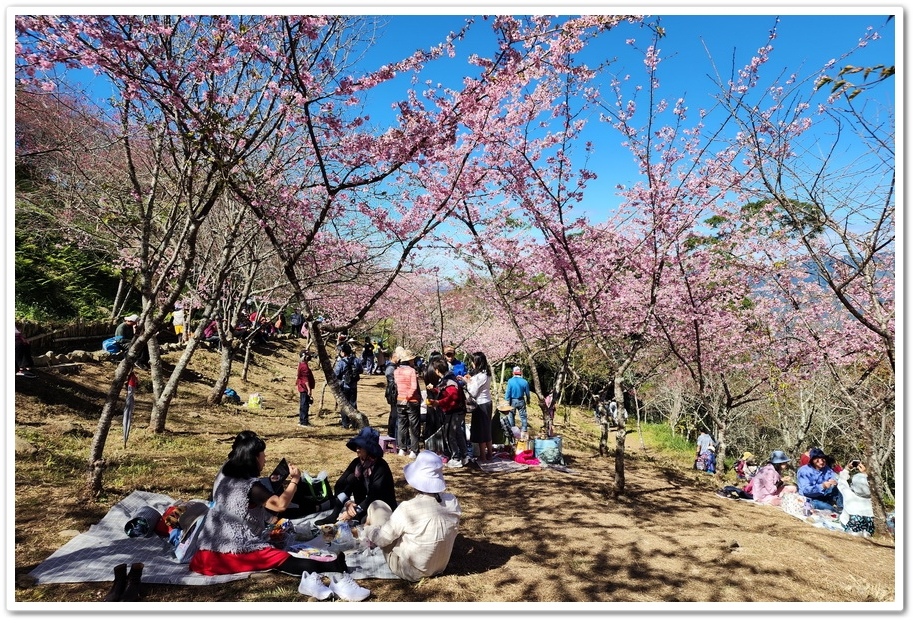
point(305, 383)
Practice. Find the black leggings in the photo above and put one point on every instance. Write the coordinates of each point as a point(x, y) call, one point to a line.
point(301, 566)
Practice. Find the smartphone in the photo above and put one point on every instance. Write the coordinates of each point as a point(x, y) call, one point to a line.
point(854, 463)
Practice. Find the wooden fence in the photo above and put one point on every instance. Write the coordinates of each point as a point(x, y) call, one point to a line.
point(65, 336)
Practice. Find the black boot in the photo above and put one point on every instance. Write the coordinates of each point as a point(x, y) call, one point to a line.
point(119, 584)
point(132, 591)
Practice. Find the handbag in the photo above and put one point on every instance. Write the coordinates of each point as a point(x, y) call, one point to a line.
point(436, 441)
point(469, 403)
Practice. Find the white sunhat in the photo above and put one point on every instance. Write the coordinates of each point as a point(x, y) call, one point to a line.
point(132, 318)
point(425, 473)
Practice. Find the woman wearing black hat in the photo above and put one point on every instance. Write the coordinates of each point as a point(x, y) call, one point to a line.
point(367, 478)
point(817, 482)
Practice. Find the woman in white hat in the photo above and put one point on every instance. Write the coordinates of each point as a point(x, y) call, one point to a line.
point(417, 537)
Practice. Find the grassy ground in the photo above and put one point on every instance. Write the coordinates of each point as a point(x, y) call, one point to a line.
point(536, 536)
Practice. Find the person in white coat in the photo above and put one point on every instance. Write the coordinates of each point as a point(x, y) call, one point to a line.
point(857, 516)
point(418, 537)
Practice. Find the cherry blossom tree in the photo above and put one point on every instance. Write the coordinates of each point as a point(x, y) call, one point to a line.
point(830, 200)
point(193, 100)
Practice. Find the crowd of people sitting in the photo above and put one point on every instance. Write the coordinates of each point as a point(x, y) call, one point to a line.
point(416, 537)
point(818, 484)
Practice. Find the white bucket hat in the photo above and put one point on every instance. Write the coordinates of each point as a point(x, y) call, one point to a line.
point(425, 473)
point(132, 318)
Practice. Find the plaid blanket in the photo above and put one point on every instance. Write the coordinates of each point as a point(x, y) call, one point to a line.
point(92, 555)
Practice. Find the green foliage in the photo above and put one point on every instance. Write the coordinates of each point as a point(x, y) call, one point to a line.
point(660, 436)
point(56, 280)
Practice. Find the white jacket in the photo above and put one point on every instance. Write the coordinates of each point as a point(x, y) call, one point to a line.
point(852, 504)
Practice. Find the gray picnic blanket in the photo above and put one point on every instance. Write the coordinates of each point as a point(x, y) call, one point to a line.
point(92, 555)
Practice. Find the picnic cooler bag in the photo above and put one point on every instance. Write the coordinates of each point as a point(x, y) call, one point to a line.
point(540, 445)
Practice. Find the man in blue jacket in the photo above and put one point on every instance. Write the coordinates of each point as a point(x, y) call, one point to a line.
point(518, 396)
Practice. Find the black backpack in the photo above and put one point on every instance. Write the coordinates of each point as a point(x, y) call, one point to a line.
point(391, 392)
point(350, 374)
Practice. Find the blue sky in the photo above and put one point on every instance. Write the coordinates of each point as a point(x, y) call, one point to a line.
point(805, 42)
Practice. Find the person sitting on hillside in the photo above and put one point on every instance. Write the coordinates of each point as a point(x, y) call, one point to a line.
point(232, 538)
point(367, 478)
point(124, 335)
point(418, 536)
point(817, 482)
point(767, 486)
point(857, 517)
point(746, 467)
point(211, 333)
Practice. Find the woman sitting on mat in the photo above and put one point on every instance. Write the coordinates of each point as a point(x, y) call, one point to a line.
point(233, 539)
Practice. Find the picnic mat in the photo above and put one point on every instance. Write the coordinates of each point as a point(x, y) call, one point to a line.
point(498, 466)
point(92, 555)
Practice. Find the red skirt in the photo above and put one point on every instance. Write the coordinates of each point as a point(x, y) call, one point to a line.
point(207, 562)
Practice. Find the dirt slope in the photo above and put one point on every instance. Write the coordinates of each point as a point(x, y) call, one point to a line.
point(535, 536)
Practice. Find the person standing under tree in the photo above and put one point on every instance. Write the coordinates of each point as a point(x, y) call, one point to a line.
point(178, 322)
point(347, 371)
point(706, 452)
point(296, 320)
point(24, 361)
point(368, 356)
point(518, 395)
point(450, 401)
point(408, 403)
point(305, 383)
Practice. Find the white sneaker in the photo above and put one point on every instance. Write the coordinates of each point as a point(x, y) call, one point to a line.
point(412, 455)
point(454, 463)
point(347, 589)
point(401, 452)
point(312, 586)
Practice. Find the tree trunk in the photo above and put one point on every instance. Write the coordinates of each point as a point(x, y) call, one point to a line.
point(331, 381)
point(96, 465)
point(619, 476)
point(170, 389)
point(247, 361)
point(227, 352)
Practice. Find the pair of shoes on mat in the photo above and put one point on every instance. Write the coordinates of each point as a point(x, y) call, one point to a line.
point(344, 587)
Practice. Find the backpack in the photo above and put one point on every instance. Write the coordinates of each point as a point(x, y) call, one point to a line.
point(351, 371)
point(391, 393)
point(232, 397)
point(461, 405)
point(111, 346)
